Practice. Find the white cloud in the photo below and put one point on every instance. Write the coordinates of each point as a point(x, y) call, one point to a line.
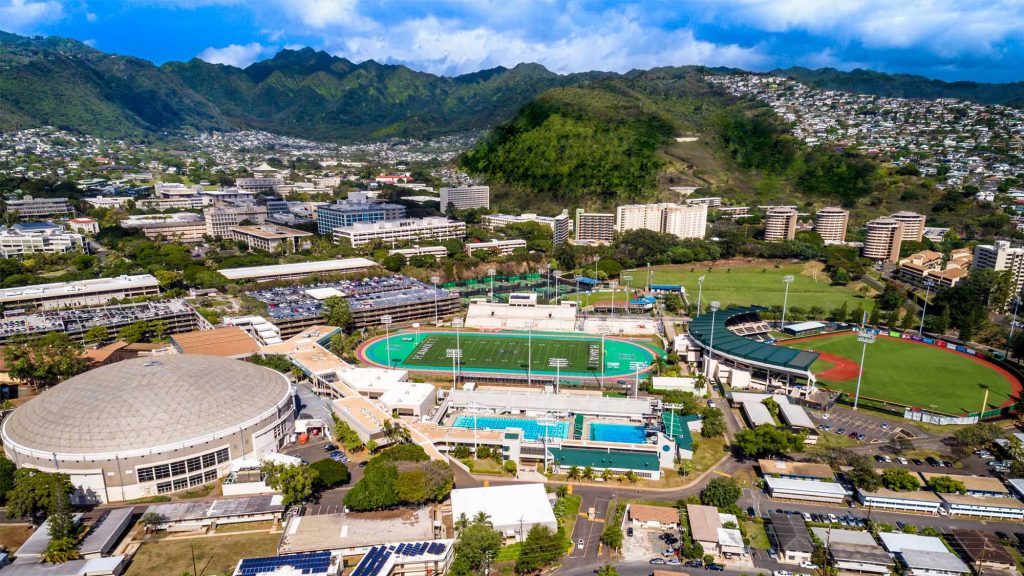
point(323, 14)
point(24, 16)
point(239, 55)
point(90, 16)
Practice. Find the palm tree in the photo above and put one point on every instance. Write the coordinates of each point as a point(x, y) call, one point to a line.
point(574, 472)
point(588, 473)
point(700, 382)
point(631, 476)
point(606, 474)
point(482, 518)
point(461, 523)
point(659, 363)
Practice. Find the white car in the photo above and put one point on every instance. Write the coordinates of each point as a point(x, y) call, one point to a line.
point(579, 543)
point(833, 519)
point(902, 460)
point(824, 416)
point(782, 573)
point(810, 565)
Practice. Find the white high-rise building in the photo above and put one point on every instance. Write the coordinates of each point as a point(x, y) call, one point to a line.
point(780, 224)
point(684, 221)
point(883, 240)
point(1001, 257)
point(466, 198)
point(407, 229)
point(830, 224)
point(913, 225)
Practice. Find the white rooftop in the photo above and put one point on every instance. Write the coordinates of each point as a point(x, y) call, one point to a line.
point(298, 268)
point(324, 293)
point(795, 416)
point(801, 326)
point(895, 542)
point(758, 413)
point(539, 402)
point(808, 486)
point(78, 287)
point(506, 505)
point(406, 394)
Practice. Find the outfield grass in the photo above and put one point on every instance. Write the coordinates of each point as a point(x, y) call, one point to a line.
point(218, 554)
point(509, 353)
point(914, 374)
point(744, 285)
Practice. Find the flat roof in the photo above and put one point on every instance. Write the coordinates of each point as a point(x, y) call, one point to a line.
point(407, 394)
point(936, 561)
point(806, 486)
point(343, 265)
point(981, 501)
point(226, 341)
point(363, 411)
point(355, 530)
point(912, 495)
point(221, 508)
point(105, 531)
point(805, 326)
point(758, 414)
point(703, 330)
point(972, 483)
point(795, 416)
point(836, 536)
point(271, 231)
point(646, 512)
point(898, 542)
point(605, 458)
point(506, 505)
point(534, 401)
point(77, 287)
point(704, 522)
point(806, 469)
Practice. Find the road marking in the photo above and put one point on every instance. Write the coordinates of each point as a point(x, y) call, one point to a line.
point(720, 473)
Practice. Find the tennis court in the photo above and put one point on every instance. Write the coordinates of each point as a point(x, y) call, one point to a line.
point(510, 353)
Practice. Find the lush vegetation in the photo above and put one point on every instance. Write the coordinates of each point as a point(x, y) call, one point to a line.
point(44, 361)
point(721, 492)
point(400, 475)
point(330, 473)
point(767, 440)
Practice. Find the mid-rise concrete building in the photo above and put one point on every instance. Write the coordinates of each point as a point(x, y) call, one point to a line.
point(37, 237)
point(466, 197)
point(174, 203)
point(780, 224)
point(1001, 257)
point(830, 223)
point(883, 240)
point(170, 190)
point(220, 219)
point(84, 225)
point(95, 292)
point(271, 238)
point(913, 225)
point(357, 208)
point(502, 247)
point(594, 227)
point(684, 221)
point(435, 251)
point(259, 185)
point(405, 230)
point(29, 208)
point(178, 226)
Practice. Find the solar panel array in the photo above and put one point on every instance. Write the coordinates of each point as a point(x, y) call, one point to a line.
point(313, 563)
point(377, 558)
point(372, 563)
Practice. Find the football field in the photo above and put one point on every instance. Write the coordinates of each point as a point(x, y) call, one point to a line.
point(509, 353)
point(909, 373)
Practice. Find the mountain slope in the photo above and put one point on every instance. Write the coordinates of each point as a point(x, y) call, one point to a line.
point(907, 85)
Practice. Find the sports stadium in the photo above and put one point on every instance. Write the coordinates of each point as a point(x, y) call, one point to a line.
point(514, 356)
point(150, 426)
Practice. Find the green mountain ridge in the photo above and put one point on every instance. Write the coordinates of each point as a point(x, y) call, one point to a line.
point(312, 94)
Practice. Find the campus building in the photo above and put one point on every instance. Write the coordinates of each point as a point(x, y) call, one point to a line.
point(37, 237)
point(357, 208)
point(259, 185)
point(122, 431)
point(405, 230)
point(433, 251)
point(684, 221)
point(927, 266)
point(180, 226)
point(883, 240)
point(95, 292)
point(168, 190)
point(466, 197)
point(29, 208)
point(185, 203)
point(561, 225)
point(513, 510)
point(84, 225)
point(501, 247)
point(1001, 257)
point(830, 223)
point(297, 270)
point(271, 238)
point(594, 227)
point(780, 223)
point(913, 225)
point(221, 219)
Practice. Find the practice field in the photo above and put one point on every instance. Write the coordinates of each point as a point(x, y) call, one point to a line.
point(906, 372)
point(509, 353)
point(748, 284)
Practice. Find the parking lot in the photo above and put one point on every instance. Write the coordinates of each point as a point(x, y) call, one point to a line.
point(644, 544)
point(875, 429)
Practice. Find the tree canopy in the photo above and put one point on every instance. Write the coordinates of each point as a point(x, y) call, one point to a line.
point(721, 492)
point(44, 361)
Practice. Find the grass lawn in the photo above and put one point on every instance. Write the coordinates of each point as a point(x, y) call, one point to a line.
point(756, 535)
point(509, 553)
point(483, 466)
point(244, 526)
point(914, 374)
point(222, 553)
point(13, 536)
point(744, 285)
point(833, 440)
point(709, 452)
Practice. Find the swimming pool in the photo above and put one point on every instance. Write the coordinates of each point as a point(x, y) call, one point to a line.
point(532, 429)
point(626, 433)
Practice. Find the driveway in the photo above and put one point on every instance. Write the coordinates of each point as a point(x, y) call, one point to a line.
point(876, 430)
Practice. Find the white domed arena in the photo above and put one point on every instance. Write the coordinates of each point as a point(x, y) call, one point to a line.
point(152, 425)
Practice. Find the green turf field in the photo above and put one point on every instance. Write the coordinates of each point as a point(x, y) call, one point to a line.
point(508, 352)
point(743, 285)
point(913, 374)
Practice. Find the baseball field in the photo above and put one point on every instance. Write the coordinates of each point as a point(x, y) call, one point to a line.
point(909, 373)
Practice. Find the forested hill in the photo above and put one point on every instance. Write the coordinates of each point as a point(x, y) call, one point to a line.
point(306, 93)
point(907, 85)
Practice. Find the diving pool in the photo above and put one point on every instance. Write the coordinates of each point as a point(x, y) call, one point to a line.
point(532, 429)
point(625, 433)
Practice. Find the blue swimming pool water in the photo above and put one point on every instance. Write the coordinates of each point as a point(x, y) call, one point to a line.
point(618, 433)
point(532, 430)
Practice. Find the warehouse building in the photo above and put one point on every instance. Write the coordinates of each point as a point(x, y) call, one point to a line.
point(79, 293)
point(913, 501)
point(513, 509)
point(144, 427)
point(297, 270)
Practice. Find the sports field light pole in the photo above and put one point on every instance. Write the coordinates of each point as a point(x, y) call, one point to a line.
point(416, 325)
point(715, 304)
point(386, 321)
point(556, 273)
point(457, 323)
point(557, 364)
point(636, 367)
point(648, 277)
point(435, 280)
point(700, 292)
point(927, 292)
point(628, 279)
point(604, 332)
point(866, 338)
point(529, 354)
point(490, 272)
point(455, 354)
point(1013, 322)
point(787, 280)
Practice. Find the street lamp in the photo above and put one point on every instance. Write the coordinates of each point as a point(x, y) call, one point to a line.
point(866, 338)
point(435, 280)
point(648, 277)
point(456, 355)
point(556, 273)
point(628, 279)
point(636, 367)
point(700, 291)
point(927, 292)
point(386, 321)
point(715, 304)
point(787, 280)
point(490, 272)
point(1013, 323)
point(558, 364)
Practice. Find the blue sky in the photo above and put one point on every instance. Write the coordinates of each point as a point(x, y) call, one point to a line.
point(949, 39)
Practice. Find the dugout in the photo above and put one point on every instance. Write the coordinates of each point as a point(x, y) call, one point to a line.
point(804, 328)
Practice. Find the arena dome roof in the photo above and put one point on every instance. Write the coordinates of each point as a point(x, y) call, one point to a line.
point(146, 403)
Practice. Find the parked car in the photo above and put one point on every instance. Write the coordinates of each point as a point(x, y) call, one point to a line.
point(1002, 535)
point(694, 564)
point(807, 517)
point(668, 552)
point(715, 567)
point(879, 458)
point(840, 430)
point(579, 543)
point(782, 573)
point(810, 565)
point(673, 562)
point(901, 460)
point(330, 448)
point(711, 403)
point(916, 461)
point(629, 532)
point(751, 512)
point(657, 561)
point(832, 518)
point(861, 437)
point(852, 435)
